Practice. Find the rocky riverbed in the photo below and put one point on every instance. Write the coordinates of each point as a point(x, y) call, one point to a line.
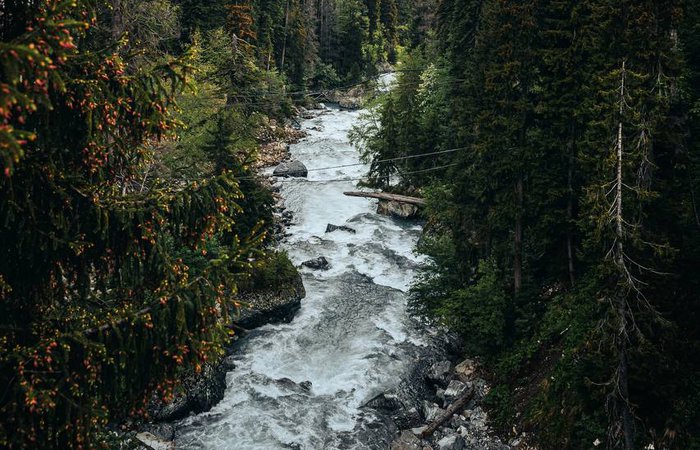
point(433, 427)
point(352, 370)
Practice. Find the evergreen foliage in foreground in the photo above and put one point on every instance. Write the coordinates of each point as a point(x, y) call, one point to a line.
point(111, 286)
point(127, 223)
point(565, 236)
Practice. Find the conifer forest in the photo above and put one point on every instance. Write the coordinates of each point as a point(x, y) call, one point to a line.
point(516, 266)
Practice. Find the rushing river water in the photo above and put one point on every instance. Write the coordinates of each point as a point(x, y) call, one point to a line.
point(301, 385)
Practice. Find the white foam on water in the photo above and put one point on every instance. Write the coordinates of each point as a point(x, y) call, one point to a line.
point(348, 337)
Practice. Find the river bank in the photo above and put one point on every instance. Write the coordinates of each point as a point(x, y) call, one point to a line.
point(308, 384)
point(353, 369)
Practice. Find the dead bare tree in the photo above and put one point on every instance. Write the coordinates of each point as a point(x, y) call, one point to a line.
point(627, 283)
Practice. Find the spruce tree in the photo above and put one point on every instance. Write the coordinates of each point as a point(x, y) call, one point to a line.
point(109, 291)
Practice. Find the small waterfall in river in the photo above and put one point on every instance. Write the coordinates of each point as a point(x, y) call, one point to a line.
point(301, 385)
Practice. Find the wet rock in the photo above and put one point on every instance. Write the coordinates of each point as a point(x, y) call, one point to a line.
point(286, 382)
point(228, 363)
point(351, 99)
point(271, 306)
point(407, 418)
point(384, 402)
point(439, 372)
point(406, 441)
point(208, 389)
point(452, 442)
point(177, 409)
point(291, 169)
point(320, 263)
point(200, 392)
point(331, 228)
point(349, 104)
point(397, 209)
point(370, 432)
point(454, 391)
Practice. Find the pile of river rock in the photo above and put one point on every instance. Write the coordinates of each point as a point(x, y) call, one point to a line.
point(466, 429)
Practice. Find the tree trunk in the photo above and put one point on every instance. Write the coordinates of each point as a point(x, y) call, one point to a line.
point(454, 408)
point(570, 208)
point(623, 310)
point(623, 376)
point(387, 196)
point(518, 242)
point(284, 44)
point(117, 19)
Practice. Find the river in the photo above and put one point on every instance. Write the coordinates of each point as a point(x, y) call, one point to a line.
point(301, 385)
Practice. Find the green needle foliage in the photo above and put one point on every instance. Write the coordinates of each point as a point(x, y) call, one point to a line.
point(130, 210)
point(563, 238)
point(110, 289)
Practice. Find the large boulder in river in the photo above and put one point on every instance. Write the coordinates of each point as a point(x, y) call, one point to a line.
point(320, 263)
point(384, 402)
point(350, 103)
point(279, 304)
point(397, 209)
point(291, 169)
point(199, 392)
point(331, 228)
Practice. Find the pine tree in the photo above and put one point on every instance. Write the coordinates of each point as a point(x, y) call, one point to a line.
point(109, 291)
point(637, 78)
point(201, 15)
point(389, 19)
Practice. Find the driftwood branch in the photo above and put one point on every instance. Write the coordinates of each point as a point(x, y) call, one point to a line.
point(459, 404)
point(385, 196)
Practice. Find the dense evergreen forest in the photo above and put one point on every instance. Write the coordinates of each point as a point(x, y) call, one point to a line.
point(564, 231)
point(130, 210)
point(563, 225)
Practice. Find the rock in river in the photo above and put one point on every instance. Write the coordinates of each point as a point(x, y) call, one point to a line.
point(291, 169)
point(320, 263)
point(270, 306)
point(331, 228)
point(397, 209)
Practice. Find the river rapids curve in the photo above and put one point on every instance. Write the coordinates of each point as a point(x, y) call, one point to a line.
point(301, 385)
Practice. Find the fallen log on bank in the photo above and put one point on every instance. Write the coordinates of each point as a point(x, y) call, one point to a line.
point(458, 405)
point(390, 197)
